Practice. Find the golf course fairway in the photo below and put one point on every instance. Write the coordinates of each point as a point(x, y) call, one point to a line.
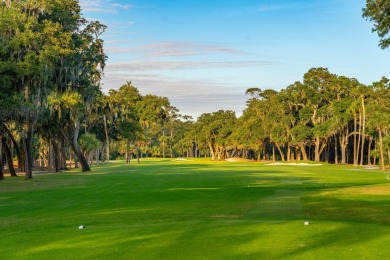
point(198, 209)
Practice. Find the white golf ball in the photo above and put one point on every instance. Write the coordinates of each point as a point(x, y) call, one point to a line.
point(81, 227)
point(306, 223)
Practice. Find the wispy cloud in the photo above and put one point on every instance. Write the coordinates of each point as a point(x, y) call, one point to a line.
point(181, 65)
point(274, 6)
point(173, 49)
point(191, 96)
point(271, 8)
point(103, 6)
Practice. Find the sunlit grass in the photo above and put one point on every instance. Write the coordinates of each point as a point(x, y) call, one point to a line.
point(197, 209)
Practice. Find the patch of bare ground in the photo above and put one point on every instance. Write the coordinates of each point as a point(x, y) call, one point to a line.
point(295, 164)
point(235, 159)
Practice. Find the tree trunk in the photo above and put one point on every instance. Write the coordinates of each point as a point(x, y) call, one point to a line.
point(382, 160)
point(97, 156)
point(317, 152)
point(15, 145)
point(369, 151)
point(56, 155)
point(336, 159)
point(171, 144)
point(298, 153)
point(75, 146)
point(354, 140)
point(212, 152)
point(28, 153)
point(84, 164)
point(1, 162)
point(107, 139)
point(363, 130)
point(288, 153)
point(70, 159)
point(128, 151)
point(343, 147)
point(8, 156)
point(136, 151)
point(359, 139)
point(64, 165)
point(1, 172)
point(280, 152)
point(163, 143)
point(303, 152)
point(81, 158)
point(273, 153)
point(375, 148)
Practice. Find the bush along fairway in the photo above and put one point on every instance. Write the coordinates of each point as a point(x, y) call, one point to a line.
point(198, 209)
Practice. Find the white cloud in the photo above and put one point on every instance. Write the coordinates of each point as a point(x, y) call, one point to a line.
point(125, 7)
point(173, 49)
point(181, 65)
point(103, 6)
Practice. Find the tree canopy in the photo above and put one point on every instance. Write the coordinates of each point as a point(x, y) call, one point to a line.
point(378, 11)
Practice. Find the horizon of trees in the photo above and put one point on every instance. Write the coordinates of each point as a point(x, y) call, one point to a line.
point(53, 113)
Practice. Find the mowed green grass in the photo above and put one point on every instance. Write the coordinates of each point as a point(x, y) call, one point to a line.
point(197, 209)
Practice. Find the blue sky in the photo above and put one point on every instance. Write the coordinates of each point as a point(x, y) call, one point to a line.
point(204, 55)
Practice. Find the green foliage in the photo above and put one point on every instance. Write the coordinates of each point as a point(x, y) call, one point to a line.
point(379, 12)
point(302, 133)
point(89, 142)
point(129, 129)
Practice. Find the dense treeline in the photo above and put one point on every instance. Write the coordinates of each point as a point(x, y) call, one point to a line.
point(53, 113)
point(51, 61)
point(323, 118)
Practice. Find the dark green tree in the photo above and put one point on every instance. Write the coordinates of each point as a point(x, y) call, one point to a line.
point(378, 12)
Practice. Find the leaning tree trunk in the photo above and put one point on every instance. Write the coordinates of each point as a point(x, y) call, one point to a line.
point(280, 152)
point(8, 156)
point(75, 146)
point(303, 152)
point(84, 163)
point(15, 145)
